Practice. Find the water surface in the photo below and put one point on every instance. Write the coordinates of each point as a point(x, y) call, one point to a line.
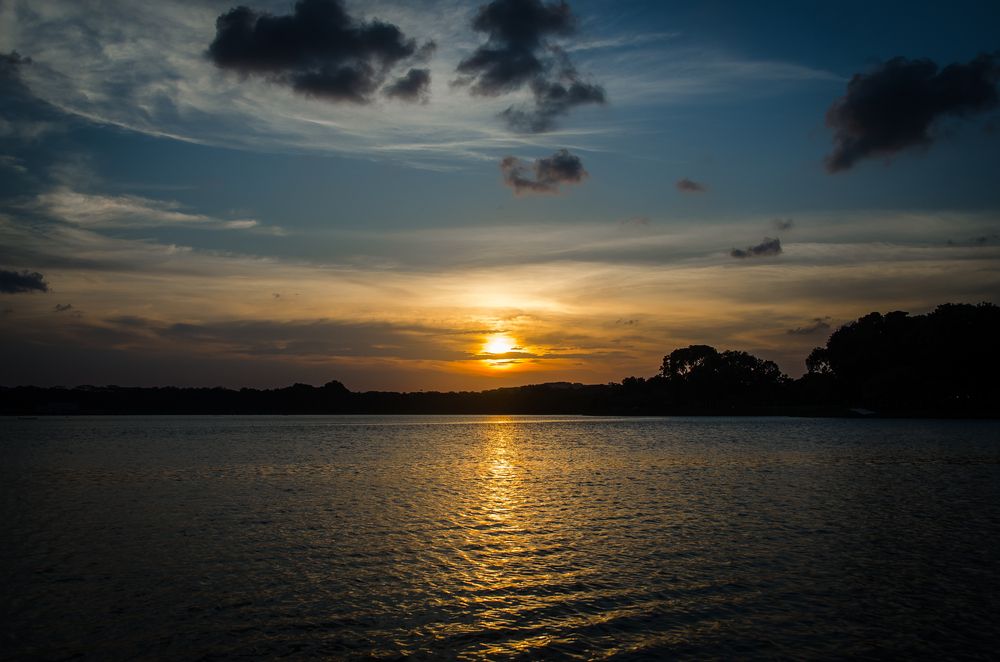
point(498, 537)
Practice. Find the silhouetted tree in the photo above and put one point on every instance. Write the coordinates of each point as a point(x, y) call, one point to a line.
point(680, 362)
point(944, 361)
point(701, 378)
point(818, 361)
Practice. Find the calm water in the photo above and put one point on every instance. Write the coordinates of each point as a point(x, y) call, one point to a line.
point(493, 537)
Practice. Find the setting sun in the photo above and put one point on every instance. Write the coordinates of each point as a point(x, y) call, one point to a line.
point(499, 344)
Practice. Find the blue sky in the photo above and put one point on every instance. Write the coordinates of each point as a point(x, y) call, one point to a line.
point(212, 223)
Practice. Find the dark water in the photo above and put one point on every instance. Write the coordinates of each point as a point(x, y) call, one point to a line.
point(491, 537)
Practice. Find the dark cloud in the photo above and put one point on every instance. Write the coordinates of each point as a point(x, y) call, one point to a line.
point(517, 53)
point(11, 85)
point(817, 325)
point(425, 52)
point(414, 86)
point(895, 106)
point(686, 185)
point(62, 307)
point(782, 224)
point(552, 99)
point(513, 53)
point(767, 247)
point(317, 50)
point(560, 168)
point(10, 61)
point(13, 282)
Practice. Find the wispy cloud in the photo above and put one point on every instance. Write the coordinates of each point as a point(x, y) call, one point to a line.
point(130, 211)
point(622, 41)
point(146, 71)
point(12, 163)
point(668, 75)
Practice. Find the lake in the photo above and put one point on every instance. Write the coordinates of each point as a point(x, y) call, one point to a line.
point(484, 537)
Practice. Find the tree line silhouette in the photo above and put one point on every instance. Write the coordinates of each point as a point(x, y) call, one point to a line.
point(944, 363)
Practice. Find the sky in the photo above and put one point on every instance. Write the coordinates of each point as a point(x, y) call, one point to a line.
point(458, 195)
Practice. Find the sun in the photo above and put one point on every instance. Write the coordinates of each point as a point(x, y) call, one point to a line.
point(499, 344)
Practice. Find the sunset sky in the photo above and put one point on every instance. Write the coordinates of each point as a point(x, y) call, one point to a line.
point(447, 194)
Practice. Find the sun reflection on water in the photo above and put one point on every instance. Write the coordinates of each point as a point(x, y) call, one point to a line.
point(500, 475)
point(497, 577)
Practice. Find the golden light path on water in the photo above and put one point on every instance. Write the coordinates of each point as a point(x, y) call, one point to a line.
point(520, 568)
point(487, 538)
point(500, 529)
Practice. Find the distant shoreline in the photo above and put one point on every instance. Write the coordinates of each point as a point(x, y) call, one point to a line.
point(559, 399)
point(939, 365)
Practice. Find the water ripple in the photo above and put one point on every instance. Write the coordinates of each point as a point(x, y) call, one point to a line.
point(498, 538)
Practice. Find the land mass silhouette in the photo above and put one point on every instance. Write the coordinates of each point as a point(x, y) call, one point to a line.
point(944, 363)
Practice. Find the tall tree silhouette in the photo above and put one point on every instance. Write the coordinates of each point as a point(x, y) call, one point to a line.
point(945, 360)
point(702, 378)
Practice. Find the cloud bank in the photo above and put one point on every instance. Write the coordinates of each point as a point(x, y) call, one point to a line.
point(895, 106)
point(549, 173)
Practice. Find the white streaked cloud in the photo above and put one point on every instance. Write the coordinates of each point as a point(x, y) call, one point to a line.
point(8, 162)
point(131, 211)
point(142, 67)
point(620, 41)
point(682, 74)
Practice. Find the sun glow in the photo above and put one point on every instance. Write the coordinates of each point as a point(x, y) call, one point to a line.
point(499, 344)
point(496, 351)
